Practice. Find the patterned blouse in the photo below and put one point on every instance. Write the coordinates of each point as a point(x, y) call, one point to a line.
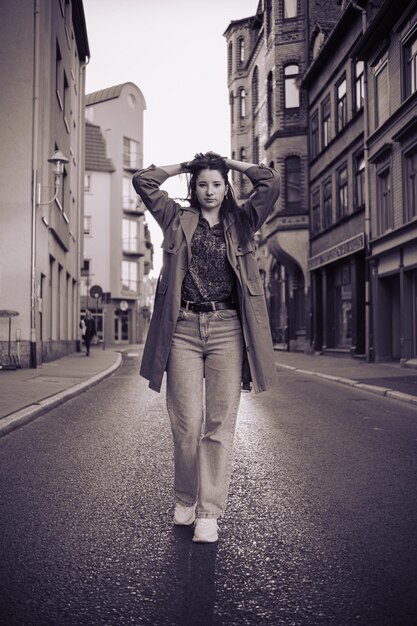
point(210, 276)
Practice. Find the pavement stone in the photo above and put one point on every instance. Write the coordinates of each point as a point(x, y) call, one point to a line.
point(28, 393)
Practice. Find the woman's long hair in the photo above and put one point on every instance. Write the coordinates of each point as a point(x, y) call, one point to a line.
point(229, 205)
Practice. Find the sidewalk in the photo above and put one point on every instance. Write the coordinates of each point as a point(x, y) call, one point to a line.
point(384, 379)
point(28, 393)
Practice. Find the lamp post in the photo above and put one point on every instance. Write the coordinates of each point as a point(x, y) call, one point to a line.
point(58, 160)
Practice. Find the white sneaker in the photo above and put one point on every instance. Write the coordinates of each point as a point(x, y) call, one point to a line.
point(184, 515)
point(206, 530)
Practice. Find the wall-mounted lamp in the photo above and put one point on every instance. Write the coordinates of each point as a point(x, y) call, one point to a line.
point(58, 160)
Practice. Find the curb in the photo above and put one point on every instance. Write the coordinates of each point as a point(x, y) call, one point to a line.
point(375, 389)
point(33, 411)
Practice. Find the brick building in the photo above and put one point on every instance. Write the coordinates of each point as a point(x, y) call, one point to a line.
point(267, 55)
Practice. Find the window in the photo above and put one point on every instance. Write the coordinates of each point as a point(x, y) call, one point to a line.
point(130, 237)
point(359, 91)
point(87, 182)
point(327, 204)
point(270, 92)
point(59, 78)
point(341, 105)
point(129, 276)
point(130, 198)
point(268, 16)
point(315, 212)
point(325, 122)
point(410, 69)
point(291, 91)
point(292, 168)
point(242, 100)
point(230, 58)
point(411, 190)
point(255, 149)
point(131, 153)
point(290, 9)
point(385, 216)
point(255, 93)
point(241, 50)
point(381, 94)
point(359, 181)
point(342, 192)
point(87, 225)
point(232, 108)
point(314, 130)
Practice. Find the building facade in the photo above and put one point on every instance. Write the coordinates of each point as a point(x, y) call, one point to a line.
point(117, 245)
point(388, 49)
point(267, 55)
point(336, 188)
point(43, 53)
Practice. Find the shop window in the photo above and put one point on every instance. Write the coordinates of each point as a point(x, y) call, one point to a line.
point(325, 122)
point(291, 90)
point(341, 105)
point(411, 190)
point(359, 89)
point(343, 306)
point(327, 204)
point(293, 184)
point(410, 65)
point(314, 135)
point(342, 192)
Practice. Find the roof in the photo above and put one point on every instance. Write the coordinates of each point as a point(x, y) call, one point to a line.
point(95, 150)
point(109, 94)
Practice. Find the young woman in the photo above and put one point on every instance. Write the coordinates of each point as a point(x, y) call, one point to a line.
point(209, 330)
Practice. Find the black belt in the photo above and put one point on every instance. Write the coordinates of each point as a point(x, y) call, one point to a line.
point(206, 307)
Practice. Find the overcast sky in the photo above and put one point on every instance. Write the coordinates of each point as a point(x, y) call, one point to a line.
point(175, 52)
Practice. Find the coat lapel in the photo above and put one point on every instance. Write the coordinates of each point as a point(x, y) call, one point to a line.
point(189, 220)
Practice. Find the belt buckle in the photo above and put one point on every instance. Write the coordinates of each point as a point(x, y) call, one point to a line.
point(213, 306)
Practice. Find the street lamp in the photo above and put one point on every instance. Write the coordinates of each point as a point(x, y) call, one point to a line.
point(58, 160)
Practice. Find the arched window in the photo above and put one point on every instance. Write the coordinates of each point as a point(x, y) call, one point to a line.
point(255, 89)
point(230, 58)
point(291, 91)
point(242, 99)
point(292, 170)
point(241, 50)
point(269, 99)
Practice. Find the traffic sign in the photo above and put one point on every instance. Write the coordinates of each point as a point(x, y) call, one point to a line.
point(96, 292)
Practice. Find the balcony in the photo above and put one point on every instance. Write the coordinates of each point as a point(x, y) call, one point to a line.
point(133, 206)
point(132, 246)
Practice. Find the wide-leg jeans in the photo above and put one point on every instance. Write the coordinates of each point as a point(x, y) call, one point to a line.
point(203, 392)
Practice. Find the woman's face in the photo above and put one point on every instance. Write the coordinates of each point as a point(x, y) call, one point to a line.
point(210, 189)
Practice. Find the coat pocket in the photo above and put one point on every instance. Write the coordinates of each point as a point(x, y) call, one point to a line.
point(257, 300)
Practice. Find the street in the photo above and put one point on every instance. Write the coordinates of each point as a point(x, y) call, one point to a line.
point(320, 527)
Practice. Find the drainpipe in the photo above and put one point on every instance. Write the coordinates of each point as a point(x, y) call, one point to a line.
point(81, 171)
point(35, 145)
point(367, 225)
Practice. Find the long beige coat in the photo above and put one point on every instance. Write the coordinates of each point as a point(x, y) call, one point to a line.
point(178, 225)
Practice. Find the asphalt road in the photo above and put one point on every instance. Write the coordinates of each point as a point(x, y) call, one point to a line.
point(321, 526)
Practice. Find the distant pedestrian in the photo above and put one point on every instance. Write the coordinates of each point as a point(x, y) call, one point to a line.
point(209, 328)
point(88, 330)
